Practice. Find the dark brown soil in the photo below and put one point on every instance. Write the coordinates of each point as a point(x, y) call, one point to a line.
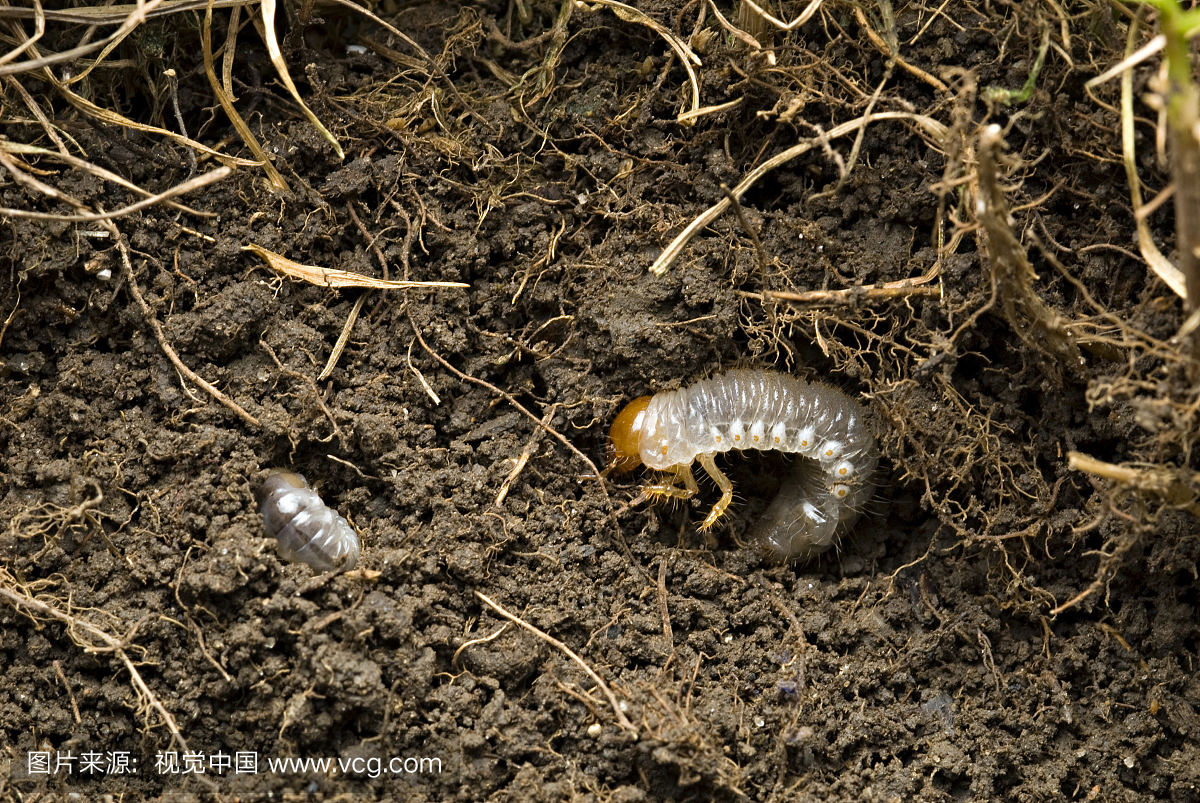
point(946, 651)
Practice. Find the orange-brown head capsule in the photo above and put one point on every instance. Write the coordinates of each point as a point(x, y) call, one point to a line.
point(624, 435)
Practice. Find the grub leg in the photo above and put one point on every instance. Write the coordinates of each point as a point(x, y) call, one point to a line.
point(681, 474)
point(710, 468)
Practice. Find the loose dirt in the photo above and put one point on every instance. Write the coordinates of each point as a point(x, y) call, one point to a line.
point(1000, 626)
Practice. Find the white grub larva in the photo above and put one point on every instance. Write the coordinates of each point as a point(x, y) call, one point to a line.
point(755, 409)
point(307, 529)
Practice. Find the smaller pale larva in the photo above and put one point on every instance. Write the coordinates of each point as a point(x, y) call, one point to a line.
point(307, 529)
point(752, 409)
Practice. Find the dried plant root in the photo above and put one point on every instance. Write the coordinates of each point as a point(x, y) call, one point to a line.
point(1035, 323)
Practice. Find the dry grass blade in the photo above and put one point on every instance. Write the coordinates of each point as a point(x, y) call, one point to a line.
point(1126, 64)
point(343, 338)
point(135, 17)
point(276, 179)
point(328, 277)
point(111, 15)
point(686, 55)
point(109, 117)
point(43, 119)
point(1162, 267)
point(661, 265)
point(109, 45)
point(757, 21)
point(268, 33)
point(33, 150)
point(39, 30)
point(180, 189)
point(40, 63)
point(742, 36)
point(805, 15)
point(690, 117)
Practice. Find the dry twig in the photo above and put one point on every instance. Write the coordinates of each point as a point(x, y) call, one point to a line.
point(558, 645)
point(532, 443)
point(161, 336)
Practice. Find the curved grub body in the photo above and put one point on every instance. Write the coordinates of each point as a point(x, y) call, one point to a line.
point(755, 409)
point(806, 517)
point(308, 531)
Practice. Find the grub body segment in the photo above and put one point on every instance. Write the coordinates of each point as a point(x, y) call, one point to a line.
point(307, 530)
point(754, 409)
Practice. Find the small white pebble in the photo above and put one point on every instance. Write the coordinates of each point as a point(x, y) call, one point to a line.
point(594, 729)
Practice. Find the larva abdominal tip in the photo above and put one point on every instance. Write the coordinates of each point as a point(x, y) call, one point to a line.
point(308, 531)
point(763, 410)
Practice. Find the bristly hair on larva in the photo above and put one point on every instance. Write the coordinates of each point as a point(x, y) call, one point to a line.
point(308, 531)
point(747, 409)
